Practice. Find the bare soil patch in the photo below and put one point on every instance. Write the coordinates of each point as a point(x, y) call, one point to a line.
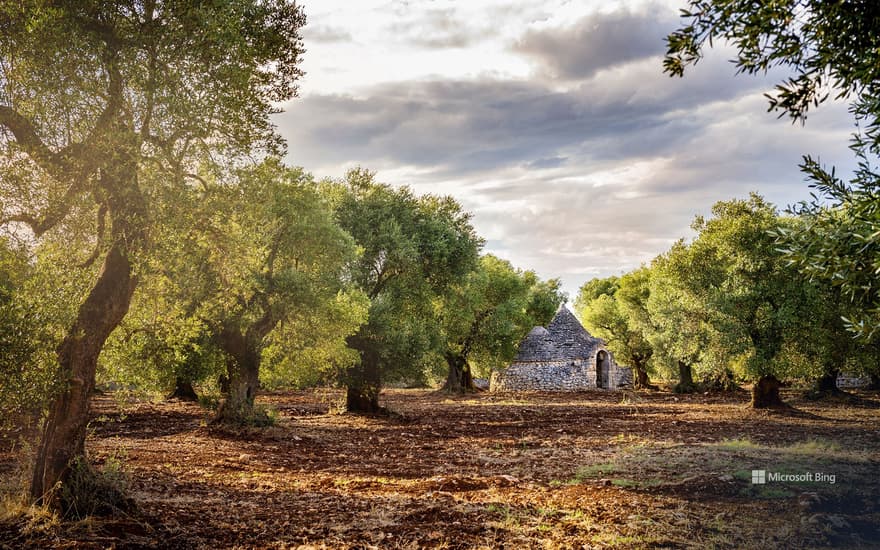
point(532, 470)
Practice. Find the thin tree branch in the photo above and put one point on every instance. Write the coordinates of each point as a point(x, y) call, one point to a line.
point(102, 222)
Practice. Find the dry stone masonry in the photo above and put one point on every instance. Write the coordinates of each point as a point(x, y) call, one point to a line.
point(562, 357)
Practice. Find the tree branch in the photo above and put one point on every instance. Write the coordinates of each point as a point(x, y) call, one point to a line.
point(102, 219)
point(74, 163)
point(198, 178)
point(26, 136)
point(261, 327)
point(54, 214)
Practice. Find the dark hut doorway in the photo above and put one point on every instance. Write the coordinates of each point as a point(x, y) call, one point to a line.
point(602, 369)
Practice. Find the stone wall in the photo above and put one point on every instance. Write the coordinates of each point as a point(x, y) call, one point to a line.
point(544, 376)
point(623, 377)
point(850, 380)
point(576, 375)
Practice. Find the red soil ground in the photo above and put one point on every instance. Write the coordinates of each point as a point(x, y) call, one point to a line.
point(589, 470)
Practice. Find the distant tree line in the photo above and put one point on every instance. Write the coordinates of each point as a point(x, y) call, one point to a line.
point(728, 307)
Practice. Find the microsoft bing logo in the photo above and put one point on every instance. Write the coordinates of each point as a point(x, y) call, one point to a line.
point(759, 477)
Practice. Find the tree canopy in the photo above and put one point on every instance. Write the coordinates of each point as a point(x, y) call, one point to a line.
point(727, 306)
point(615, 309)
point(831, 49)
point(485, 316)
point(412, 249)
point(93, 93)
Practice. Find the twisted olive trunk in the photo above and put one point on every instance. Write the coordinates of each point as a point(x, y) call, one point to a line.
point(363, 380)
point(243, 371)
point(460, 379)
point(827, 383)
point(243, 354)
point(183, 390)
point(643, 381)
point(64, 432)
point(685, 378)
point(765, 393)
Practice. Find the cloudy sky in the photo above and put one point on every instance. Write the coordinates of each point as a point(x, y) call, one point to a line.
point(551, 122)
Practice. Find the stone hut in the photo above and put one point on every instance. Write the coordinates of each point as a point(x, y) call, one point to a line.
point(562, 357)
point(846, 380)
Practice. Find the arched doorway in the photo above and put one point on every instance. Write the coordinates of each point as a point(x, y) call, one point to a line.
point(602, 369)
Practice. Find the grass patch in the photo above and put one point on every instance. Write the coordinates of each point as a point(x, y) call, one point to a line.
point(743, 475)
point(737, 444)
point(258, 416)
point(767, 492)
point(819, 447)
point(509, 518)
point(595, 470)
point(264, 416)
point(626, 483)
point(95, 492)
point(209, 401)
point(630, 398)
point(643, 464)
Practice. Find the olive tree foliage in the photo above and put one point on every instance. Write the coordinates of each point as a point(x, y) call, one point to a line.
point(257, 262)
point(616, 310)
point(92, 93)
point(162, 345)
point(683, 331)
point(485, 316)
point(27, 373)
point(837, 335)
point(838, 244)
point(412, 249)
point(283, 260)
point(759, 307)
point(831, 49)
point(309, 348)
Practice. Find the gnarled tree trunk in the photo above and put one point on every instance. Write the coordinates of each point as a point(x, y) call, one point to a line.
point(827, 383)
point(243, 349)
point(63, 437)
point(460, 378)
point(183, 390)
point(685, 378)
point(64, 433)
point(723, 381)
point(243, 374)
point(643, 381)
point(363, 381)
point(765, 393)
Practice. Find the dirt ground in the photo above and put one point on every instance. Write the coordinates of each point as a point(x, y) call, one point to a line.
point(532, 470)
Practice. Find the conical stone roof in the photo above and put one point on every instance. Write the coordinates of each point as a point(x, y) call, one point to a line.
point(563, 339)
point(536, 346)
point(571, 338)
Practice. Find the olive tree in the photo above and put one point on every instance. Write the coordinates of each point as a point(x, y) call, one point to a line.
point(616, 309)
point(830, 49)
point(412, 250)
point(92, 93)
point(487, 314)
